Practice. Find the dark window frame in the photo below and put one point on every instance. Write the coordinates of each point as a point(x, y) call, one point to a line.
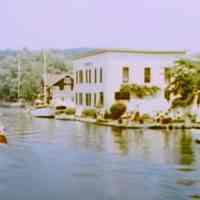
point(101, 98)
point(101, 75)
point(125, 74)
point(147, 74)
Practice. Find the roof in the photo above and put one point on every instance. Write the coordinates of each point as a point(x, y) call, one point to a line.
point(52, 79)
point(146, 52)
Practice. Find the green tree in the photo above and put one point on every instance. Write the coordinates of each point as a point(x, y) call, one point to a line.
point(140, 91)
point(184, 87)
point(31, 72)
point(117, 110)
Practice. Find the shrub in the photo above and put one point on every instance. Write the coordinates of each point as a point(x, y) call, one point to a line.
point(89, 112)
point(117, 110)
point(70, 111)
point(146, 118)
point(59, 112)
point(136, 117)
point(140, 91)
point(179, 120)
point(107, 115)
point(192, 117)
point(165, 120)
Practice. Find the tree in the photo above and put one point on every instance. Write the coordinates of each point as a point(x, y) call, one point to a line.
point(117, 110)
point(31, 72)
point(184, 88)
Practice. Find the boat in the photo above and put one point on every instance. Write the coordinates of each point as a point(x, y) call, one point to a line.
point(43, 112)
point(41, 108)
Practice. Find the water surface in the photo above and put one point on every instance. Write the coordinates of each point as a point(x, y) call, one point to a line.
point(49, 159)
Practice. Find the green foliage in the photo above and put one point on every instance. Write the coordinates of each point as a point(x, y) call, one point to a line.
point(70, 111)
point(117, 110)
point(89, 112)
point(107, 115)
point(31, 72)
point(185, 84)
point(140, 91)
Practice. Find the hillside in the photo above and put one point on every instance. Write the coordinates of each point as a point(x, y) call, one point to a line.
point(31, 63)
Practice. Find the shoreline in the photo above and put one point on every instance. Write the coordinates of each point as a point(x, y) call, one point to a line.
point(115, 124)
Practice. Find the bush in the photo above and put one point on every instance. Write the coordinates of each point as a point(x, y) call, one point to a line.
point(179, 120)
point(107, 115)
point(140, 91)
point(136, 117)
point(117, 110)
point(146, 118)
point(166, 120)
point(192, 117)
point(90, 112)
point(59, 112)
point(70, 111)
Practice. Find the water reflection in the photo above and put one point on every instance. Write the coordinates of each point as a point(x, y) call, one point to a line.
point(156, 145)
point(175, 146)
point(120, 140)
point(187, 156)
point(63, 157)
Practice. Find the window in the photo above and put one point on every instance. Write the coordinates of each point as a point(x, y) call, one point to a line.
point(86, 76)
point(90, 78)
point(101, 98)
point(147, 75)
point(167, 74)
point(88, 99)
point(125, 74)
point(95, 75)
point(95, 99)
point(101, 75)
point(80, 98)
point(80, 76)
point(76, 98)
point(76, 77)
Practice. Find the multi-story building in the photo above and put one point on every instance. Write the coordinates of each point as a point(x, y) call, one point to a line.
point(99, 75)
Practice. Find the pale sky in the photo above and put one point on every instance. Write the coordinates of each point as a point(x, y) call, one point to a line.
point(136, 24)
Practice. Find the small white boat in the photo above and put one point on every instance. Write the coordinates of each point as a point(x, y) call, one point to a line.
point(46, 112)
point(17, 105)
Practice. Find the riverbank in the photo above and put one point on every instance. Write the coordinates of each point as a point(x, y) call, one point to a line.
point(114, 123)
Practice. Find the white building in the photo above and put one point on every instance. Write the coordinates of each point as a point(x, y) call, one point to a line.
point(99, 75)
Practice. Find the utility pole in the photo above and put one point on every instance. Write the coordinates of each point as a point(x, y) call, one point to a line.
point(45, 76)
point(19, 77)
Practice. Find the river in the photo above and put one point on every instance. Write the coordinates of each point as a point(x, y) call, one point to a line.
point(49, 159)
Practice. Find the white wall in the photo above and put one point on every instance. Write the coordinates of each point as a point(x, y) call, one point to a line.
point(136, 64)
point(113, 63)
point(92, 62)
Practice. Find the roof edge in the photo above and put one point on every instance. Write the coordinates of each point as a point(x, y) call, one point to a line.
point(144, 52)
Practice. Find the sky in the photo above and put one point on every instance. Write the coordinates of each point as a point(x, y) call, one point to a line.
point(135, 24)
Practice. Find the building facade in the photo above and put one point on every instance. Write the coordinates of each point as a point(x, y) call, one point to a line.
point(100, 75)
point(60, 89)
